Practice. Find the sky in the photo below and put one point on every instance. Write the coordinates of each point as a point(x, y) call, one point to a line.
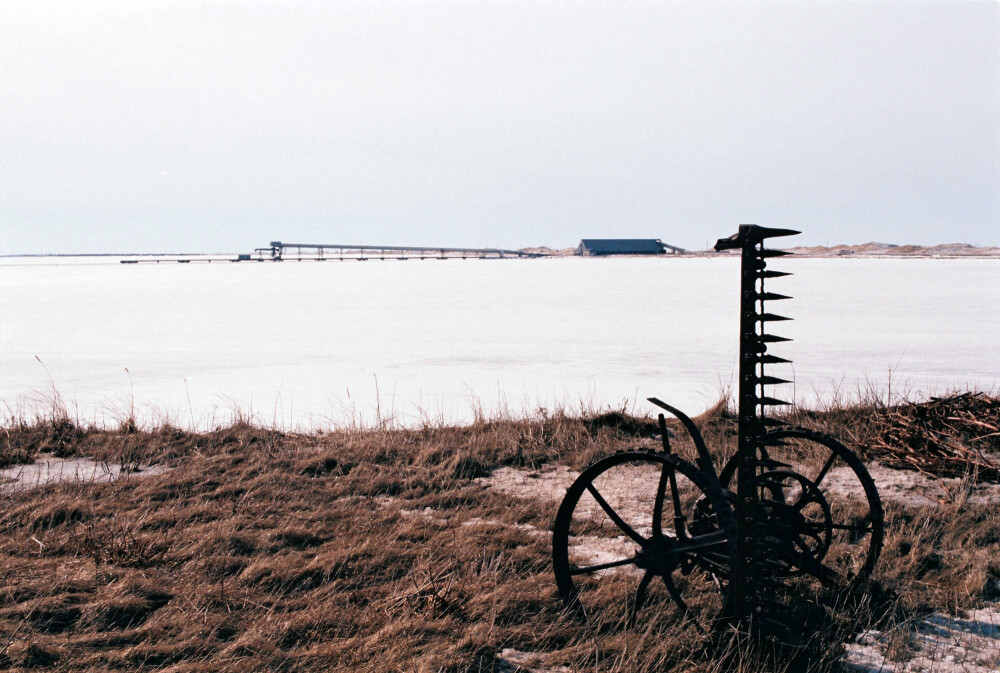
point(200, 126)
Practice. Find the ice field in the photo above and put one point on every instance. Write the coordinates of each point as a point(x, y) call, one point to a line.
point(311, 345)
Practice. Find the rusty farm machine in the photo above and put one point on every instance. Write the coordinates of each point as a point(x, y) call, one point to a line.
point(791, 512)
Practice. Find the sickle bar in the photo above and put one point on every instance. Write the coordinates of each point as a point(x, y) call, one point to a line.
point(750, 573)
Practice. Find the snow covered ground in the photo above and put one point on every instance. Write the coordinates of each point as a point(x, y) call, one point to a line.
point(968, 643)
point(310, 344)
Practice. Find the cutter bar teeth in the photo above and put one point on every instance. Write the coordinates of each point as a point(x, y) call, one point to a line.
point(771, 360)
point(773, 232)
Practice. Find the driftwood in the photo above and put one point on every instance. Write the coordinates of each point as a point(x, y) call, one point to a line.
point(951, 436)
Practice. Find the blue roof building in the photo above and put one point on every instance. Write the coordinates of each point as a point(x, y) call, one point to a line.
point(624, 246)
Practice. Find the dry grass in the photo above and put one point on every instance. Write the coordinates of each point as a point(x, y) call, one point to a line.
point(262, 550)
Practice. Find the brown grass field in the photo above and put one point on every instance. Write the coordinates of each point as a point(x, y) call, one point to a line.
point(387, 550)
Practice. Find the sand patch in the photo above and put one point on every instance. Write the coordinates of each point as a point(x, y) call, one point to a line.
point(630, 489)
point(427, 513)
point(80, 470)
point(914, 489)
point(549, 483)
point(512, 660)
point(904, 486)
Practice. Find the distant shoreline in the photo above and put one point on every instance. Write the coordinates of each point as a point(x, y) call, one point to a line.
point(859, 251)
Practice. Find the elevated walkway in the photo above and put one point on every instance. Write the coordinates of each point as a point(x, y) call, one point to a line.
point(278, 251)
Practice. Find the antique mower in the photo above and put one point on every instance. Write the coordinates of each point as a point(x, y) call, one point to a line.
point(791, 513)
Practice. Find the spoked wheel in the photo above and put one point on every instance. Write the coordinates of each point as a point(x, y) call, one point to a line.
point(821, 505)
point(627, 537)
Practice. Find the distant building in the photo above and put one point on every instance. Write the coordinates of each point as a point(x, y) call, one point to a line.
point(624, 246)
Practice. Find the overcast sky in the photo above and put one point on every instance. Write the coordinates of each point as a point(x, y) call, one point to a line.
point(219, 126)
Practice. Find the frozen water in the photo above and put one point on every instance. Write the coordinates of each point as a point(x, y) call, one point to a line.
point(309, 344)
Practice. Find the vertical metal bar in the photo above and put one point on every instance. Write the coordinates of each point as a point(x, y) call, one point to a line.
point(746, 472)
point(744, 597)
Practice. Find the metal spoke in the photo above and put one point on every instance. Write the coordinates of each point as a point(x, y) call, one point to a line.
point(640, 592)
point(801, 543)
point(661, 492)
point(718, 567)
point(814, 529)
point(613, 515)
point(601, 566)
point(675, 594)
point(679, 522)
point(807, 563)
point(706, 541)
point(826, 468)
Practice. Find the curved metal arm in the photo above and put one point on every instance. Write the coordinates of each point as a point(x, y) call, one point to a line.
point(704, 458)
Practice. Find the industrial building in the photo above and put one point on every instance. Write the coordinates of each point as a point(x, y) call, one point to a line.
point(624, 246)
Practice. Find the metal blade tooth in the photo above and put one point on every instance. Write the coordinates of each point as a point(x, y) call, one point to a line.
point(773, 402)
point(774, 423)
point(772, 296)
point(771, 338)
point(773, 232)
point(771, 360)
point(772, 317)
point(774, 274)
point(771, 380)
point(764, 254)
